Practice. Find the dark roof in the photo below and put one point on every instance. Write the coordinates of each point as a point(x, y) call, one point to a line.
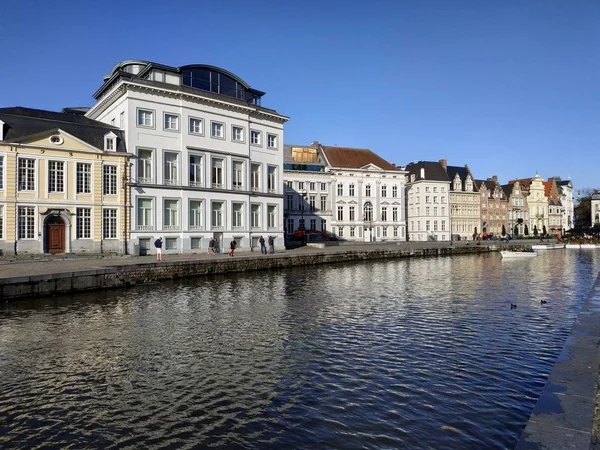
point(507, 188)
point(433, 171)
point(355, 158)
point(462, 174)
point(22, 122)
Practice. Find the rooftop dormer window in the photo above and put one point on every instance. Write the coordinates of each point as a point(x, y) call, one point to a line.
point(110, 142)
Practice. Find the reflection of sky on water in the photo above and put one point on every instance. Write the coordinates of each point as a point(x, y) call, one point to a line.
point(405, 353)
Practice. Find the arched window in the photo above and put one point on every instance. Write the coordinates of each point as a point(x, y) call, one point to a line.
point(368, 212)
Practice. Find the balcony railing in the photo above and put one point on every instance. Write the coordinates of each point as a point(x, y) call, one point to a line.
point(144, 227)
point(217, 185)
point(196, 228)
point(144, 180)
point(237, 187)
point(255, 189)
point(217, 227)
point(195, 183)
point(171, 227)
point(237, 228)
point(171, 182)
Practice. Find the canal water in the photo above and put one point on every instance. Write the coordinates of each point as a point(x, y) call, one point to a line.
point(412, 353)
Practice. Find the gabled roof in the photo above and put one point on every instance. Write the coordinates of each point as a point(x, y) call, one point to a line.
point(462, 173)
point(355, 158)
point(524, 182)
point(433, 171)
point(23, 122)
point(508, 189)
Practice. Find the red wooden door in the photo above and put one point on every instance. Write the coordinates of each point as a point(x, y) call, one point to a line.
point(56, 238)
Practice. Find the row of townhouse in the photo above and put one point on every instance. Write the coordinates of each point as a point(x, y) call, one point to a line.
point(184, 153)
point(356, 195)
point(189, 154)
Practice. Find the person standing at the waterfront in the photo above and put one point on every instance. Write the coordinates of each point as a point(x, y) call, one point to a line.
point(271, 244)
point(232, 247)
point(263, 247)
point(216, 247)
point(211, 247)
point(158, 245)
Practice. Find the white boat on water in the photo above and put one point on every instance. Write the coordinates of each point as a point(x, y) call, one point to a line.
point(577, 246)
point(589, 246)
point(517, 254)
point(547, 246)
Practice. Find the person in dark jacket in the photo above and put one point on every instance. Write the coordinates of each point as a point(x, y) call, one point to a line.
point(232, 247)
point(158, 245)
point(271, 244)
point(263, 247)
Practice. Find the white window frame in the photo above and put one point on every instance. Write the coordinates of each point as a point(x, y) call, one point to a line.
point(26, 222)
point(192, 126)
point(237, 215)
point(196, 170)
point(256, 138)
point(221, 126)
point(217, 173)
point(110, 223)
point(145, 166)
point(255, 215)
point(171, 168)
point(196, 215)
point(171, 122)
point(83, 223)
point(255, 177)
point(272, 141)
point(83, 178)
point(171, 217)
point(1, 222)
point(144, 222)
point(237, 176)
point(56, 176)
point(26, 175)
point(234, 138)
point(142, 115)
point(272, 179)
point(271, 216)
point(110, 180)
point(1, 172)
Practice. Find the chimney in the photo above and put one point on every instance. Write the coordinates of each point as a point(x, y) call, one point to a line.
point(422, 173)
point(314, 144)
point(494, 178)
point(444, 163)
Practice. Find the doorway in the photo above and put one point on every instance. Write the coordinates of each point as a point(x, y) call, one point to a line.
point(55, 235)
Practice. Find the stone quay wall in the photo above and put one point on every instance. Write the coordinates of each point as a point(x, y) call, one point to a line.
point(128, 275)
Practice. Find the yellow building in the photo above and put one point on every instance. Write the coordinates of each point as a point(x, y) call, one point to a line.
point(63, 183)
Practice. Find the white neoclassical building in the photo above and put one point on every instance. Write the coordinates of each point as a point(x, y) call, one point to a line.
point(369, 195)
point(465, 204)
point(565, 188)
point(595, 209)
point(208, 158)
point(428, 202)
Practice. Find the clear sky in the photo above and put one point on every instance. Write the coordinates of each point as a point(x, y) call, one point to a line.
point(509, 87)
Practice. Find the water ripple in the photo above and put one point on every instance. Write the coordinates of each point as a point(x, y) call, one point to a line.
point(422, 353)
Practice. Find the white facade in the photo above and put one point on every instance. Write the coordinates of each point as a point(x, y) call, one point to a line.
point(307, 201)
point(537, 203)
point(206, 165)
point(428, 210)
point(369, 204)
point(595, 209)
point(566, 199)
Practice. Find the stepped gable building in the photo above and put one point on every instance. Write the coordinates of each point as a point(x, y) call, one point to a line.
point(368, 195)
point(307, 188)
point(517, 209)
point(208, 157)
point(428, 202)
point(494, 207)
point(556, 210)
point(62, 183)
point(465, 204)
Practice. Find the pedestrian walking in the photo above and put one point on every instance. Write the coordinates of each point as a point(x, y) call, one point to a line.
point(216, 247)
point(271, 244)
point(158, 245)
point(211, 247)
point(263, 247)
point(232, 247)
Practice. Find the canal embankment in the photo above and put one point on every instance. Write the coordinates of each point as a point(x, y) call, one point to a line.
point(30, 278)
point(567, 413)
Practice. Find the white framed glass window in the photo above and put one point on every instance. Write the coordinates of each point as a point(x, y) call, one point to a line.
point(323, 224)
point(271, 141)
point(195, 215)
point(255, 216)
point(217, 219)
point(300, 185)
point(171, 122)
point(368, 190)
point(352, 213)
point(109, 180)
point(145, 216)
point(26, 222)
point(340, 189)
point(311, 202)
point(272, 179)
point(290, 226)
point(121, 119)
point(340, 213)
point(368, 212)
point(237, 134)
point(395, 214)
point(1, 172)
point(394, 191)
point(272, 216)
point(1, 222)
point(171, 168)
point(255, 178)
point(145, 118)
point(171, 215)
point(383, 190)
point(255, 137)
point(323, 203)
point(196, 126)
point(84, 178)
point(26, 174)
point(195, 170)
point(313, 224)
point(237, 217)
point(109, 223)
point(217, 173)
point(237, 175)
point(144, 166)
point(351, 190)
point(56, 176)
point(83, 223)
point(341, 231)
point(384, 214)
point(290, 202)
point(323, 186)
point(217, 130)
point(352, 232)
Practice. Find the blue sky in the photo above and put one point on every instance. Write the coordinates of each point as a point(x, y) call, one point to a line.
point(508, 87)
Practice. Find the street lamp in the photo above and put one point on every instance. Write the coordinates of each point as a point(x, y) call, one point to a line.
point(303, 192)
